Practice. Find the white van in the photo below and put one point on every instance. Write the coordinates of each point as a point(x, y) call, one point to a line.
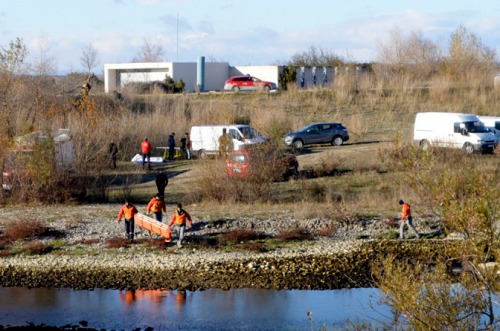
point(492, 123)
point(204, 139)
point(455, 130)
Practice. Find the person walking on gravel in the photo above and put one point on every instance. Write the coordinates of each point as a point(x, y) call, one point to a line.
point(179, 219)
point(157, 206)
point(128, 210)
point(406, 220)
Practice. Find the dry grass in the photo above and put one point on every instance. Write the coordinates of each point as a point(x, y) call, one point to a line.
point(38, 248)
point(117, 243)
point(295, 234)
point(23, 229)
point(239, 236)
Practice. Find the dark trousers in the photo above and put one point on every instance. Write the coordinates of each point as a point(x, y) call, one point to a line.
point(129, 228)
point(171, 153)
point(148, 157)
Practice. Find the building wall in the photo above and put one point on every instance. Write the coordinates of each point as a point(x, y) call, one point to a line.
point(216, 73)
point(119, 74)
point(267, 73)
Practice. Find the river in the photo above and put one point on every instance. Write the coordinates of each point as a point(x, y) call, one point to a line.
point(237, 309)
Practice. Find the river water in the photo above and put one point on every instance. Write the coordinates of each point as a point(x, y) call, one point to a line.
point(237, 309)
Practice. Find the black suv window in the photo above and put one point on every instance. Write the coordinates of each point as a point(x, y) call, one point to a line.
point(326, 127)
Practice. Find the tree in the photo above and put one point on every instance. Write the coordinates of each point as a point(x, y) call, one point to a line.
point(467, 55)
point(11, 65)
point(45, 64)
point(316, 57)
point(410, 54)
point(149, 53)
point(460, 192)
point(89, 59)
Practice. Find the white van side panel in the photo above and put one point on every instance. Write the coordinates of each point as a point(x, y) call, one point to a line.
point(206, 137)
point(438, 129)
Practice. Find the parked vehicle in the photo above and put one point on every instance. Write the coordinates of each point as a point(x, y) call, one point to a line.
point(21, 159)
point(492, 123)
point(242, 164)
point(248, 83)
point(204, 139)
point(318, 133)
point(452, 130)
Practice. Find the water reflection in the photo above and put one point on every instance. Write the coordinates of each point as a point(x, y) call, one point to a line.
point(241, 309)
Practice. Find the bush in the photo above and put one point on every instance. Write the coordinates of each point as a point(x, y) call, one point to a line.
point(239, 236)
point(23, 229)
point(295, 234)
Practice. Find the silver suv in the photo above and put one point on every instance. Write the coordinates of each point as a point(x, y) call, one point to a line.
point(318, 133)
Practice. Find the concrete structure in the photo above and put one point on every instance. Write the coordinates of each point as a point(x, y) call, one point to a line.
point(210, 76)
point(118, 75)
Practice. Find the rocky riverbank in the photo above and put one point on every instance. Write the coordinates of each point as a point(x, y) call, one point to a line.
point(82, 260)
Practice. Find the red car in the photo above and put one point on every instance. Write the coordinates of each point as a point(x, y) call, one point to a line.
point(248, 83)
point(242, 164)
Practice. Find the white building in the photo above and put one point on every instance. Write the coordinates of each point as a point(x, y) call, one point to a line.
point(209, 76)
point(117, 75)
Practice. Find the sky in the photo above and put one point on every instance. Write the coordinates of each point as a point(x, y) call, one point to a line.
point(253, 32)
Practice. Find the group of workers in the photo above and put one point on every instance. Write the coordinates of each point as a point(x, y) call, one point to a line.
point(146, 149)
point(156, 206)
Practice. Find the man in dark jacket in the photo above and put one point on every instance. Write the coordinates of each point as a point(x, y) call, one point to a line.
point(161, 182)
point(171, 146)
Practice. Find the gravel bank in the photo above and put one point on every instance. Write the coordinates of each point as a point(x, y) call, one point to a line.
point(325, 262)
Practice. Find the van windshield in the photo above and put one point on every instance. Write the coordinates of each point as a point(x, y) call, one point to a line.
point(248, 132)
point(476, 127)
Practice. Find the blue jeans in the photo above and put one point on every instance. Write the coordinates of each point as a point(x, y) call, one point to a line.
point(180, 230)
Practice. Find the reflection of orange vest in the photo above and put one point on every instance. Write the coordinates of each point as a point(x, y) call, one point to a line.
point(129, 296)
point(180, 297)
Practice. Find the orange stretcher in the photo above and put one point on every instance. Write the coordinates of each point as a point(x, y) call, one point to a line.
point(154, 226)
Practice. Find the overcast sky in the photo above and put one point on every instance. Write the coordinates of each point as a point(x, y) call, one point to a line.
point(253, 32)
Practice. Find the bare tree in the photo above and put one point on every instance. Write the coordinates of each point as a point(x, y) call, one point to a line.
point(45, 64)
point(410, 54)
point(89, 58)
point(316, 56)
point(468, 56)
point(11, 66)
point(149, 53)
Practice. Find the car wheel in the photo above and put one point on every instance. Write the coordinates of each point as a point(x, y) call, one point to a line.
point(337, 141)
point(468, 148)
point(424, 145)
point(267, 88)
point(202, 154)
point(235, 89)
point(298, 144)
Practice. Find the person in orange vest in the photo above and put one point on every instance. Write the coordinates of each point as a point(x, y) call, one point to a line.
point(179, 219)
point(406, 220)
point(146, 152)
point(128, 210)
point(157, 206)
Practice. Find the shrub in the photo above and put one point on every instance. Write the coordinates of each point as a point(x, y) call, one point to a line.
point(239, 235)
point(23, 229)
point(295, 234)
point(117, 243)
point(38, 248)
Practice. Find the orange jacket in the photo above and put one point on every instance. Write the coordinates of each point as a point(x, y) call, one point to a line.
point(156, 206)
point(128, 212)
point(406, 212)
point(146, 147)
point(180, 218)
